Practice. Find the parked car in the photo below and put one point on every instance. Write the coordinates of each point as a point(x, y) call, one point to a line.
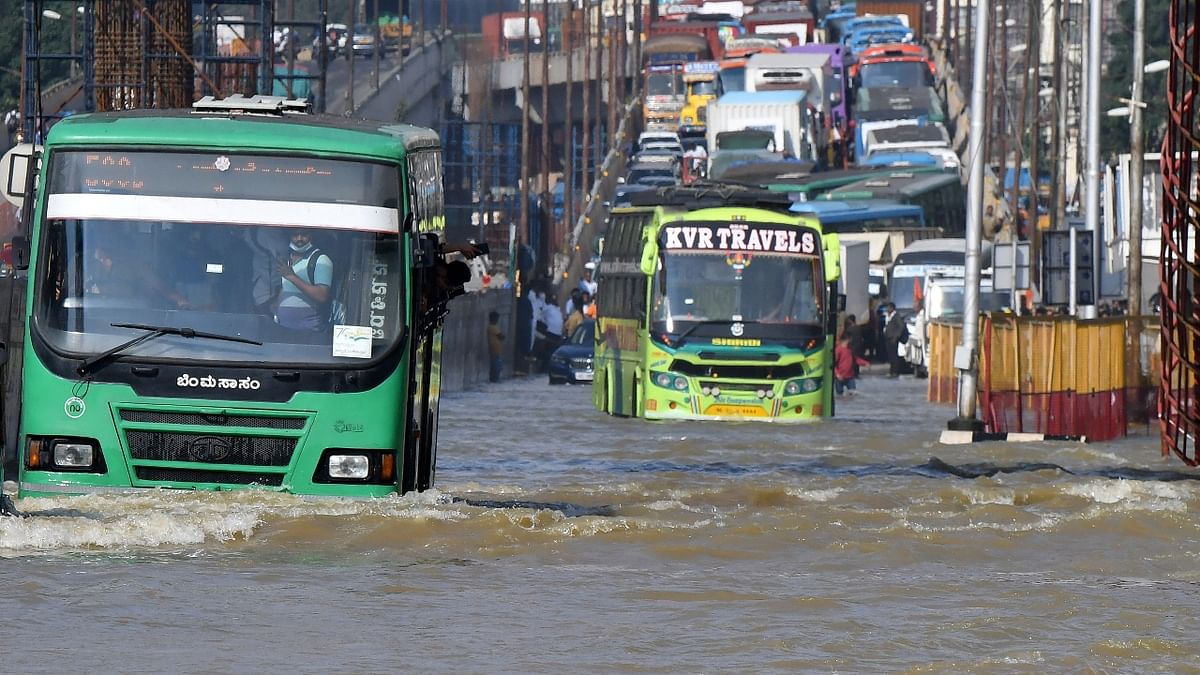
point(572, 361)
point(364, 40)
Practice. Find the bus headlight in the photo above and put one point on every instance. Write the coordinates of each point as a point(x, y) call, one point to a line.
point(73, 455)
point(804, 386)
point(349, 467)
point(670, 381)
point(64, 454)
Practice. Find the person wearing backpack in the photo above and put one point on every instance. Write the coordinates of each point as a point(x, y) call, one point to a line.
point(307, 276)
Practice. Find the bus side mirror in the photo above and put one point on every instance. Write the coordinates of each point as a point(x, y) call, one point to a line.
point(649, 262)
point(18, 166)
point(20, 252)
point(832, 250)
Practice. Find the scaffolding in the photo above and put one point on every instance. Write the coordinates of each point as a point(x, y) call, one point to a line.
point(1179, 270)
point(129, 54)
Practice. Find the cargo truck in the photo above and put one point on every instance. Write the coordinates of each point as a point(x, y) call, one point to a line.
point(786, 114)
point(700, 81)
point(504, 33)
point(912, 10)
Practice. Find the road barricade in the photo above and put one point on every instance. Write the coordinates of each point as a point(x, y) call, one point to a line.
point(1056, 375)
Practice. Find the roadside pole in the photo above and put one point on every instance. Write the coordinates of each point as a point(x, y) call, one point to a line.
point(966, 354)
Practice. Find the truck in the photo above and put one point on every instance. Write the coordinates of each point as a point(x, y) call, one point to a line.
point(808, 72)
point(912, 10)
point(664, 56)
point(504, 33)
point(942, 300)
point(714, 32)
point(893, 106)
point(908, 137)
point(786, 114)
point(855, 279)
point(799, 23)
point(700, 81)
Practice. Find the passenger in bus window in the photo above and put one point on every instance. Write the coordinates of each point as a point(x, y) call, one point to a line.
point(306, 274)
point(110, 274)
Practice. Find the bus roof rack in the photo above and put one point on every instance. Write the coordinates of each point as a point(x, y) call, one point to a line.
point(701, 194)
point(237, 103)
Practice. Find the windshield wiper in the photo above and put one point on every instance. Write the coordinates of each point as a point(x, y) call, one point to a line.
point(89, 364)
point(684, 335)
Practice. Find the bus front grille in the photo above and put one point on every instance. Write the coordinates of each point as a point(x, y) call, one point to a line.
point(162, 474)
point(737, 372)
point(212, 419)
point(166, 446)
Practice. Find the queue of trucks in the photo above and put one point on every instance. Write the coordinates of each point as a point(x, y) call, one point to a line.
point(823, 104)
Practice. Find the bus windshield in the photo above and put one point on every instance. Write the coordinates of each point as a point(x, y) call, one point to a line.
point(313, 281)
point(759, 287)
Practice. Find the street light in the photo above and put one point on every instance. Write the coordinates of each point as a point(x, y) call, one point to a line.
point(1123, 111)
point(51, 14)
point(1157, 66)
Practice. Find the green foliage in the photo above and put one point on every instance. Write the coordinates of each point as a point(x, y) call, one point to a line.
point(1117, 82)
point(10, 54)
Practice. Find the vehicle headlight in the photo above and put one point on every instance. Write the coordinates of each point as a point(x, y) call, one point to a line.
point(670, 381)
point(688, 119)
point(73, 455)
point(355, 467)
point(804, 386)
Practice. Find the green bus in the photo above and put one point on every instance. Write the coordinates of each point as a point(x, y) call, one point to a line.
point(940, 195)
point(177, 335)
point(715, 304)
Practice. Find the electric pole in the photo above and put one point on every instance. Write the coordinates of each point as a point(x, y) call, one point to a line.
point(1137, 158)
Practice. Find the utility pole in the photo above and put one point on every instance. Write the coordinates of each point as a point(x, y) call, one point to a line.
point(377, 46)
point(445, 19)
point(350, 57)
point(966, 357)
point(523, 230)
point(1015, 192)
point(546, 242)
point(568, 174)
point(1002, 174)
point(1058, 136)
point(1035, 145)
point(1137, 158)
point(613, 98)
point(1092, 209)
point(585, 156)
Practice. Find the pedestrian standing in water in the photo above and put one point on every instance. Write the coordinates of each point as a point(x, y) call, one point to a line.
point(495, 347)
point(845, 367)
point(553, 318)
point(895, 333)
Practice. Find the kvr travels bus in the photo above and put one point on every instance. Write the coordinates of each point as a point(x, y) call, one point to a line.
point(237, 295)
point(715, 304)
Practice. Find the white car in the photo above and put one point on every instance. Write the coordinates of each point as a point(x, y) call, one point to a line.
point(648, 137)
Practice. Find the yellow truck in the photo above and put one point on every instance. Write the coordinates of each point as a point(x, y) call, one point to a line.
point(700, 79)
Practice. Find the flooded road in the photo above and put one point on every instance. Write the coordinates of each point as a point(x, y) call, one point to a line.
point(561, 540)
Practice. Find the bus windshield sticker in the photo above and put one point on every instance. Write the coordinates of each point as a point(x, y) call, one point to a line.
point(740, 237)
point(352, 341)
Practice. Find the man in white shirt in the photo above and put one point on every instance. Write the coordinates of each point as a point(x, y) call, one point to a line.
point(585, 282)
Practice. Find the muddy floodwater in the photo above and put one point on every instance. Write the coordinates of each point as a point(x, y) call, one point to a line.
point(561, 540)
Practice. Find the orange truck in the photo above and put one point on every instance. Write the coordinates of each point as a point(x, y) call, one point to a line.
point(912, 10)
